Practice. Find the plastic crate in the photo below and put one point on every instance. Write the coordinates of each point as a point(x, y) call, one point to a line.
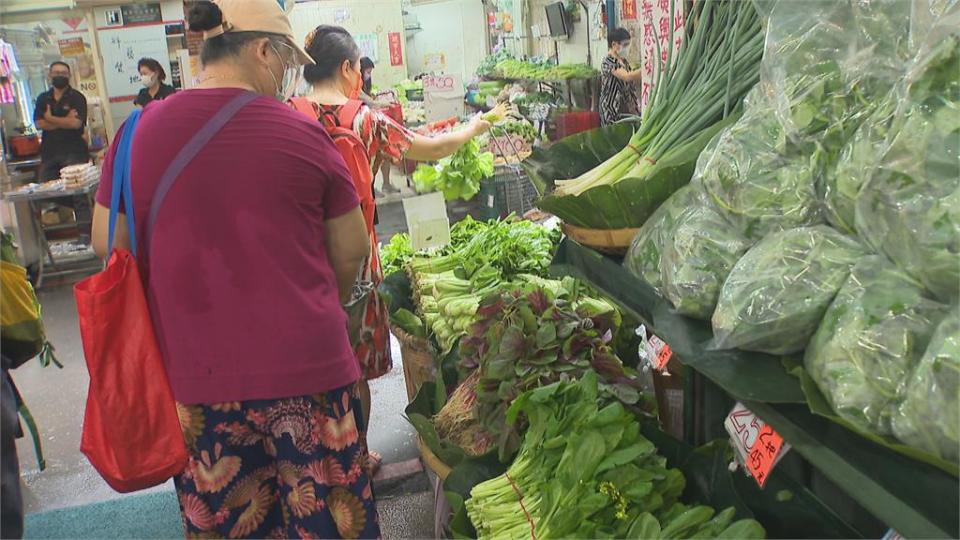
point(509, 191)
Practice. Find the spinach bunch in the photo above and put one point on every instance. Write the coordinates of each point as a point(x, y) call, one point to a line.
point(910, 207)
point(696, 259)
point(585, 471)
point(752, 178)
point(643, 257)
point(775, 296)
point(870, 339)
point(929, 416)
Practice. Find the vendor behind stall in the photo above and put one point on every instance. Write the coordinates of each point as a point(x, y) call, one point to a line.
point(61, 113)
point(618, 97)
point(152, 77)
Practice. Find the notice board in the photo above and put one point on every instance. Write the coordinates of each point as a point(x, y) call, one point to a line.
point(442, 96)
point(122, 48)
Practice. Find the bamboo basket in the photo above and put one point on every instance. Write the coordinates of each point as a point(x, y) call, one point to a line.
point(432, 462)
point(418, 364)
point(611, 241)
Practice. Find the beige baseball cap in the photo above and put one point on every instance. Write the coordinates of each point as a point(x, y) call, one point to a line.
point(257, 16)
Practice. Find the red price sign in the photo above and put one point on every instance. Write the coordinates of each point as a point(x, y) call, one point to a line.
point(661, 353)
point(764, 454)
point(396, 49)
point(758, 445)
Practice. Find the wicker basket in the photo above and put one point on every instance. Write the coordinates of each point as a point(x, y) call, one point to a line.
point(418, 364)
point(432, 462)
point(612, 241)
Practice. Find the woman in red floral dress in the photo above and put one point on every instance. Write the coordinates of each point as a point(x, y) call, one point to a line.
point(336, 80)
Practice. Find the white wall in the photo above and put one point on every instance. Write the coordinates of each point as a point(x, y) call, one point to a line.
point(574, 49)
point(455, 28)
point(360, 16)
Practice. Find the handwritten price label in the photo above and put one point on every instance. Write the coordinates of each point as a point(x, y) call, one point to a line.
point(653, 349)
point(764, 454)
point(438, 83)
point(759, 446)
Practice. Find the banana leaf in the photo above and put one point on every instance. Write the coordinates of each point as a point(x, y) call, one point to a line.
point(574, 155)
point(818, 405)
point(629, 202)
point(784, 507)
point(914, 498)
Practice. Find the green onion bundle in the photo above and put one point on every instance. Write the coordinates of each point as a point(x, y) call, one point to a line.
point(719, 64)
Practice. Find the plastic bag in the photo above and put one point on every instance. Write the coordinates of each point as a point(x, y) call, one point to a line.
point(643, 257)
point(697, 256)
point(751, 179)
point(841, 185)
point(929, 416)
point(824, 64)
point(869, 341)
point(777, 293)
point(909, 209)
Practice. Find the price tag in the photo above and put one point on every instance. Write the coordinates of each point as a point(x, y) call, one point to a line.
point(764, 454)
point(892, 535)
point(758, 446)
point(653, 349)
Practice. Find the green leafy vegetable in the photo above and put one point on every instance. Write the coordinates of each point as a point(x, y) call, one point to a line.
point(457, 176)
point(396, 253)
point(910, 207)
point(870, 339)
point(585, 471)
point(929, 416)
point(777, 293)
point(644, 256)
point(522, 340)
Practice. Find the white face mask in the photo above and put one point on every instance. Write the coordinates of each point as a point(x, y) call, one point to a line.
point(288, 82)
point(147, 80)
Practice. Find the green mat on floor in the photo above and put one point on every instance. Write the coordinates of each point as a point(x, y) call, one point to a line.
point(151, 515)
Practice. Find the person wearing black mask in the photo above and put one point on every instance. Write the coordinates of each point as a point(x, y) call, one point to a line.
point(61, 113)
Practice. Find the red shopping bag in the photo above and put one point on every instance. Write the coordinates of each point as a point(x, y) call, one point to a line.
point(131, 433)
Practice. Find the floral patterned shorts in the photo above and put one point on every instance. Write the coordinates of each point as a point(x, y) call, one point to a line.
point(279, 468)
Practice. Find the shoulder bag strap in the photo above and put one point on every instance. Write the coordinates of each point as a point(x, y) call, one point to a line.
point(349, 112)
point(186, 155)
point(121, 183)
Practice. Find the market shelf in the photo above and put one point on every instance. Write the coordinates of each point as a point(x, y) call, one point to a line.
point(912, 497)
point(689, 338)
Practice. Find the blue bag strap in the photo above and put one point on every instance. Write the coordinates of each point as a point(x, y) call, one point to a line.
point(120, 185)
point(186, 155)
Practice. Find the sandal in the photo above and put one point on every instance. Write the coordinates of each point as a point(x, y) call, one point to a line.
point(374, 461)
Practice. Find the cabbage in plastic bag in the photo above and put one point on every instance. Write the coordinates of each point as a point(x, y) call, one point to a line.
point(643, 257)
point(696, 259)
point(929, 416)
point(869, 341)
point(910, 207)
point(775, 296)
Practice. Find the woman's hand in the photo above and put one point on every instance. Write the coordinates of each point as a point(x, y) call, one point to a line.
point(478, 126)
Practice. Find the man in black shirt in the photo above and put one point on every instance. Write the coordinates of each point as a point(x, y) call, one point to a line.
point(61, 113)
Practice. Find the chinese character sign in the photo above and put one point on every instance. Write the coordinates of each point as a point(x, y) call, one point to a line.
point(629, 10)
point(396, 50)
point(657, 26)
